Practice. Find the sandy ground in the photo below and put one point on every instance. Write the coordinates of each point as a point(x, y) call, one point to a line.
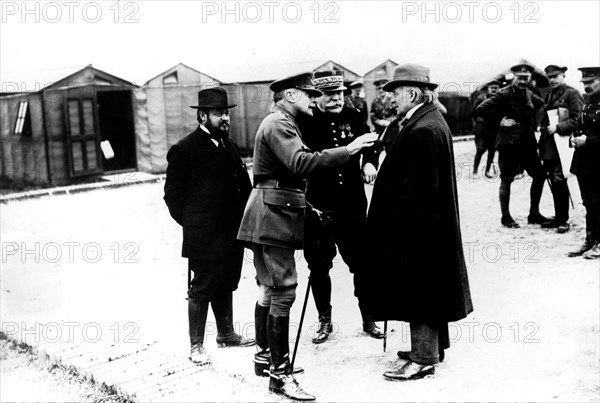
point(105, 264)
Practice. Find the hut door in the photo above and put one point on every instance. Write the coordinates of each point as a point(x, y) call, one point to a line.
point(82, 136)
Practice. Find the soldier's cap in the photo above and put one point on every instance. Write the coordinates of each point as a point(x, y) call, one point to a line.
point(495, 82)
point(380, 82)
point(302, 81)
point(522, 69)
point(356, 84)
point(410, 75)
point(215, 98)
point(589, 73)
point(329, 80)
point(553, 70)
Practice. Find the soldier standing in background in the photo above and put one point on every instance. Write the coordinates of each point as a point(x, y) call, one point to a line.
point(565, 104)
point(586, 163)
point(382, 109)
point(357, 101)
point(485, 132)
point(515, 108)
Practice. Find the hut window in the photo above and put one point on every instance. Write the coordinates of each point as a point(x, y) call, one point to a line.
point(23, 124)
point(171, 78)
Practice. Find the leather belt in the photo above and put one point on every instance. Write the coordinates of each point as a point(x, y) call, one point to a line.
point(266, 183)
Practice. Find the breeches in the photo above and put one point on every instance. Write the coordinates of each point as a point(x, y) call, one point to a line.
point(513, 159)
point(280, 300)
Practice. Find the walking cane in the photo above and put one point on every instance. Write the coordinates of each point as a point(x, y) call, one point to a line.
point(384, 335)
point(300, 324)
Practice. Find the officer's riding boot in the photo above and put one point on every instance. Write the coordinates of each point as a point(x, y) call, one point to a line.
point(476, 162)
point(588, 244)
point(197, 313)
point(222, 306)
point(560, 194)
point(489, 167)
point(321, 289)
point(535, 195)
point(282, 381)
point(262, 357)
point(504, 196)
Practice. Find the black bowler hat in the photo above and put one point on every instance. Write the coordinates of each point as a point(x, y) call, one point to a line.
point(330, 80)
point(553, 70)
point(302, 81)
point(213, 98)
point(589, 73)
point(522, 69)
point(410, 75)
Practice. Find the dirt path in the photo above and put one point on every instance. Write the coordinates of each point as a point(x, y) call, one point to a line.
point(108, 261)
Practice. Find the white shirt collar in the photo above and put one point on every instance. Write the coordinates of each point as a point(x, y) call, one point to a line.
point(206, 130)
point(413, 110)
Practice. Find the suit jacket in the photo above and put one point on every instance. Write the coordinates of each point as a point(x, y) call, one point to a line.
point(560, 97)
point(274, 214)
point(206, 190)
point(414, 220)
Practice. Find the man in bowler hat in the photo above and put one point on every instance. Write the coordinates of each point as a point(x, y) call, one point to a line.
point(273, 221)
point(415, 199)
point(206, 188)
point(515, 107)
point(339, 193)
point(586, 164)
point(565, 104)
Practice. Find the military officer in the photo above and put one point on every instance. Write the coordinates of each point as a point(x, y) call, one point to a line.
point(382, 108)
point(485, 131)
point(356, 99)
point(273, 221)
point(515, 108)
point(564, 103)
point(339, 193)
point(586, 164)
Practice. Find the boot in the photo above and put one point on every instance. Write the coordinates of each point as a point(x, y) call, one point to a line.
point(535, 194)
point(504, 196)
point(325, 328)
point(476, 163)
point(593, 253)
point(282, 381)
point(222, 306)
point(560, 195)
point(197, 313)
point(262, 358)
point(588, 244)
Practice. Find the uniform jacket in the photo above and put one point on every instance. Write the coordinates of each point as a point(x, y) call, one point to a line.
point(205, 190)
point(274, 215)
point(560, 97)
point(414, 220)
point(339, 187)
point(512, 103)
point(586, 160)
point(358, 103)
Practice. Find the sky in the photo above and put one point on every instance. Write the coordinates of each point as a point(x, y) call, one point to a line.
point(461, 42)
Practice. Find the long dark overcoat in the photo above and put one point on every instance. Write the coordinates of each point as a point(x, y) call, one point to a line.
point(206, 189)
point(420, 273)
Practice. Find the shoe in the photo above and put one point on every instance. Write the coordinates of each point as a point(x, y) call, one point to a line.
point(373, 330)
point(199, 356)
point(234, 340)
point(508, 222)
point(405, 355)
point(587, 245)
point(593, 253)
point(563, 228)
point(410, 371)
point(325, 329)
point(287, 385)
point(538, 219)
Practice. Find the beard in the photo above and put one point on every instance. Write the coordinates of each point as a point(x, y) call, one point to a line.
point(218, 131)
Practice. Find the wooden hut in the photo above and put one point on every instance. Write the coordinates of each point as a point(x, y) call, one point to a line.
point(54, 135)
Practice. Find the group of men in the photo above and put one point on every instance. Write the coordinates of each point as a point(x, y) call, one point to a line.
point(506, 121)
point(312, 155)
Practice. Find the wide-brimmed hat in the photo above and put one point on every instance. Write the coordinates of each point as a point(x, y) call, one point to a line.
point(410, 75)
point(553, 70)
point(302, 81)
point(589, 73)
point(330, 80)
point(213, 98)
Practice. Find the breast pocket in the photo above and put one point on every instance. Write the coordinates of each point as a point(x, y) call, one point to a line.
point(283, 221)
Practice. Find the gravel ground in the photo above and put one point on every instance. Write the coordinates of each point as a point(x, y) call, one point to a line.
point(109, 261)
